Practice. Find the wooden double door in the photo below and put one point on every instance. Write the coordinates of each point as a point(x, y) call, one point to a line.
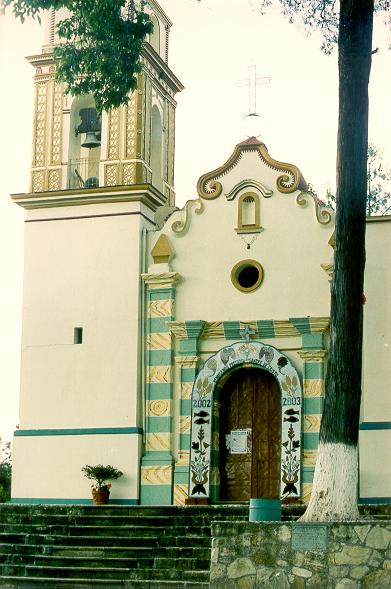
point(250, 433)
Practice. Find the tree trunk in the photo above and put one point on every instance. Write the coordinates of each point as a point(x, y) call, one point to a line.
point(335, 488)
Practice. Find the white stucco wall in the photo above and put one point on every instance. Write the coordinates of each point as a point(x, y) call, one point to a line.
point(290, 248)
point(49, 467)
point(81, 272)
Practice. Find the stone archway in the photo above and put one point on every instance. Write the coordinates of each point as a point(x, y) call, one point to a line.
point(216, 369)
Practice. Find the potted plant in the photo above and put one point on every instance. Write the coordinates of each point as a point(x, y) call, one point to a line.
point(101, 474)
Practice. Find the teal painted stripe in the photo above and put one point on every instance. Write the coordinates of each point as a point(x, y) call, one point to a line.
point(158, 424)
point(188, 374)
point(51, 501)
point(231, 329)
point(310, 441)
point(181, 478)
point(156, 495)
point(375, 425)
point(313, 370)
point(185, 407)
point(184, 441)
point(157, 391)
point(265, 328)
point(161, 294)
point(313, 405)
point(375, 500)
point(312, 341)
point(302, 324)
point(158, 324)
point(79, 431)
point(307, 476)
point(157, 458)
point(159, 357)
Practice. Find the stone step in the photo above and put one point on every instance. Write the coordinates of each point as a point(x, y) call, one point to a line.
point(115, 573)
point(11, 582)
point(195, 552)
point(153, 561)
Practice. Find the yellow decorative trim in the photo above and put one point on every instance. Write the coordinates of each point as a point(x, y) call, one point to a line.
point(312, 423)
point(313, 388)
point(185, 424)
point(129, 173)
point(159, 408)
point(183, 458)
point(332, 238)
point(187, 388)
point(186, 361)
point(329, 269)
point(162, 250)
point(309, 457)
point(312, 355)
point(181, 227)
point(214, 475)
point(323, 213)
point(209, 187)
point(159, 341)
point(165, 280)
point(319, 324)
point(245, 184)
point(241, 266)
point(131, 128)
point(113, 134)
point(306, 491)
point(56, 126)
point(161, 308)
point(39, 140)
point(38, 180)
point(54, 179)
point(156, 475)
point(216, 441)
point(112, 174)
point(158, 374)
point(252, 227)
point(158, 441)
point(180, 494)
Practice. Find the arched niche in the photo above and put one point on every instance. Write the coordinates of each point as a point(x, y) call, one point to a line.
point(154, 37)
point(249, 213)
point(83, 162)
point(205, 390)
point(157, 148)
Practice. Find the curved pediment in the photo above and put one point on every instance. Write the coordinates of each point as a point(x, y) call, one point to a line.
point(209, 186)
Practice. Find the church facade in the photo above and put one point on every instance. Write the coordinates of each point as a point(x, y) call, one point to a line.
point(186, 347)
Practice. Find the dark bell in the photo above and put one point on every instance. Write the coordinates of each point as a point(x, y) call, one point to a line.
point(92, 140)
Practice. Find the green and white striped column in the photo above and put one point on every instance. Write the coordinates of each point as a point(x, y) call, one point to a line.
point(313, 398)
point(157, 462)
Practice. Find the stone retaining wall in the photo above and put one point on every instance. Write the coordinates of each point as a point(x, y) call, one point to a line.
point(280, 555)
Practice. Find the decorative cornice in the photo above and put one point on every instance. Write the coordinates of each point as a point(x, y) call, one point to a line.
point(164, 280)
point(312, 355)
point(209, 187)
point(144, 193)
point(323, 213)
point(245, 185)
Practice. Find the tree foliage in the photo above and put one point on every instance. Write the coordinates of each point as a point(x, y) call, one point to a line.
point(322, 15)
point(100, 47)
point(378, 181)
point(5, 471)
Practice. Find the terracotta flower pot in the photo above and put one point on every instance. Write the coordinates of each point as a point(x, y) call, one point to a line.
point(100, 497)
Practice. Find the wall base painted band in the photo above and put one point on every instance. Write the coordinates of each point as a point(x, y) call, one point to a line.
point(61, 501)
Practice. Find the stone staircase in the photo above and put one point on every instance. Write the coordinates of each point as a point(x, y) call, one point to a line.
point(80, 547)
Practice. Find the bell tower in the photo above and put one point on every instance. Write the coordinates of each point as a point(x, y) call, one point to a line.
point(74, 147)
point(97, 180)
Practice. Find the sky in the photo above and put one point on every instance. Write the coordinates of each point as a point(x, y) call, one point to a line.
point(212, 45)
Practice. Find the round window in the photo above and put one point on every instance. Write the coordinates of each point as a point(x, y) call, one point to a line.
point(247, 275)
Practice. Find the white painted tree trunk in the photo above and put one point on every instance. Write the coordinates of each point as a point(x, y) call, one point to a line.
point(334, 493)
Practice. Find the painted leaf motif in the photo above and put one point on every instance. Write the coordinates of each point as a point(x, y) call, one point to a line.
point(294, 381)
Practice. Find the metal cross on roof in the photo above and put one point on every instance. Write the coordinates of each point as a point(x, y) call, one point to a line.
point(252, 82)
point(246, 332)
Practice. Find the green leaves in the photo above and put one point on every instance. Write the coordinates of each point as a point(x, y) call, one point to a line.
point(100, 48)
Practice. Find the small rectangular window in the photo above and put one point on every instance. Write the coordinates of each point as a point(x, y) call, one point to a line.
point(78, 335)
